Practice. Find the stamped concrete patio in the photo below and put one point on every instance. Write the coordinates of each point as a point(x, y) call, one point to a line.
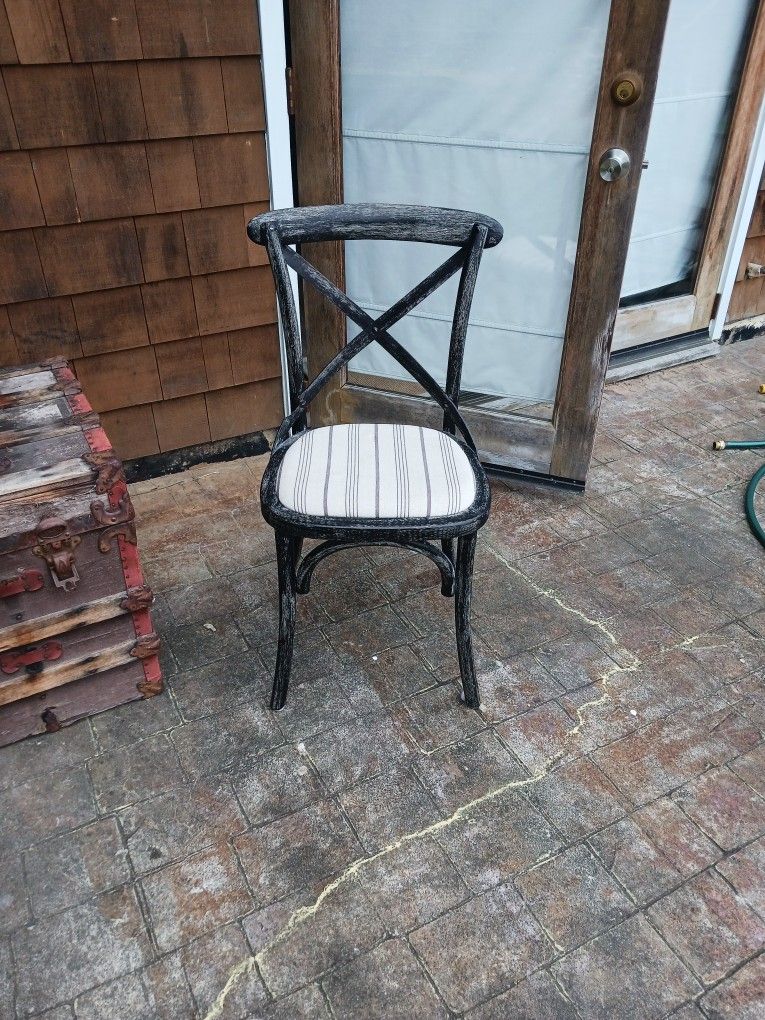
point(590, 845)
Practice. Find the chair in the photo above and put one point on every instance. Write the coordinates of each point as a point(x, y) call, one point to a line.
point(384, 484)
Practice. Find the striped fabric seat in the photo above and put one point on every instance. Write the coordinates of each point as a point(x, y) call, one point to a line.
point(363, 471)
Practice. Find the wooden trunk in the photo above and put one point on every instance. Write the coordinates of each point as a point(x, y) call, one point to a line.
point(75, 631)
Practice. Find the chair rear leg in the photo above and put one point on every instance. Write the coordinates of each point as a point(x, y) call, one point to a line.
point(287, 551)
point(297, 547)
point(463, 591)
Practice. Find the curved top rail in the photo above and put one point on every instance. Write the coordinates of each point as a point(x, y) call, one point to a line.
point(372, 222)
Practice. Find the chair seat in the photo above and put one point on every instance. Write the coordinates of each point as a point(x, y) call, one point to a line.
point(376, 471)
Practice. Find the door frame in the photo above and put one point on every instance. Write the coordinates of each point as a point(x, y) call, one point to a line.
point(753, 183)
point(560, 448)
point(692, 312)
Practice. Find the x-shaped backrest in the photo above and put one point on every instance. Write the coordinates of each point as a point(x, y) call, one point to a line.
point(466, 259)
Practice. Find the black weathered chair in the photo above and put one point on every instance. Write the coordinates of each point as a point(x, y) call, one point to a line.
point(386, 484)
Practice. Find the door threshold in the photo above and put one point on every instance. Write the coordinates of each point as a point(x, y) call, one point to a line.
point(508, 474)
point(661, 354)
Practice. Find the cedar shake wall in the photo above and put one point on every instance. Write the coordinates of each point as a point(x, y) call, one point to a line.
point(132, 155)
point(748, 297)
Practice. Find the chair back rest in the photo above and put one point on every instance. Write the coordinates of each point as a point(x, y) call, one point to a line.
point(469, 232)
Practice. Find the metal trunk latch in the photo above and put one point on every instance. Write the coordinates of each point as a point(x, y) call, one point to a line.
point(56, 546)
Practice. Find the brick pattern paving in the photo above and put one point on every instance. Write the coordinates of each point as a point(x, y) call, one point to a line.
point(590, 845)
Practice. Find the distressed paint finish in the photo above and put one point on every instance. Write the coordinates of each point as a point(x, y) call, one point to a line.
point(66, 620)
point(80, 617)
point(470, 233)
point(118, 653)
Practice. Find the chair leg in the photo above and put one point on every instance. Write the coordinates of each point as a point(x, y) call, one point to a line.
point(287, 551)
point(297, 546)
point(447, 546)
point(462, 597)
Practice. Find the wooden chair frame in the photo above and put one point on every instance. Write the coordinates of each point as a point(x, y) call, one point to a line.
point(470, 233)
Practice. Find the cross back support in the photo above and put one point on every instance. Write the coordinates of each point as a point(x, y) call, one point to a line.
point(470, 232)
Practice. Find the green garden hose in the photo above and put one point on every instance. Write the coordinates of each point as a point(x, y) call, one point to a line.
point(749, 509)
point(751, 514)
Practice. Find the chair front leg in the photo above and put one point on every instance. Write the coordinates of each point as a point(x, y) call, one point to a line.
point(463, 591)
point(287, 552)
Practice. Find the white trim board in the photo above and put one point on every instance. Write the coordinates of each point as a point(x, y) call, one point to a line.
point(278, 143)
point(741, 223)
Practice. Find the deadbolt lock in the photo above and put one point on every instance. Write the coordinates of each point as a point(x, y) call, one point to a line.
point(626, 90)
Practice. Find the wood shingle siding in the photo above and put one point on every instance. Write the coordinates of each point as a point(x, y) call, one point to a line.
point(197, 28)
point(101, 30)
point(123, 309)
point(132, 155)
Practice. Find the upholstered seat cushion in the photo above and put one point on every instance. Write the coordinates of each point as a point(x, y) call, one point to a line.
point(370, 471)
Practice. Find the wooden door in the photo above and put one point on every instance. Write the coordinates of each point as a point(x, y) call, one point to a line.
point(686, 301)
point(558, 444)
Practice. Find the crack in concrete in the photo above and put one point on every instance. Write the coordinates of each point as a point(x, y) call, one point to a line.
point(550, 593)
point(245, 966)
point(689, 641)
point(302, 914)
point(605, 683)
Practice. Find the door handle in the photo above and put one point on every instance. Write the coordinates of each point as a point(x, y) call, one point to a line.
point(614, 164)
